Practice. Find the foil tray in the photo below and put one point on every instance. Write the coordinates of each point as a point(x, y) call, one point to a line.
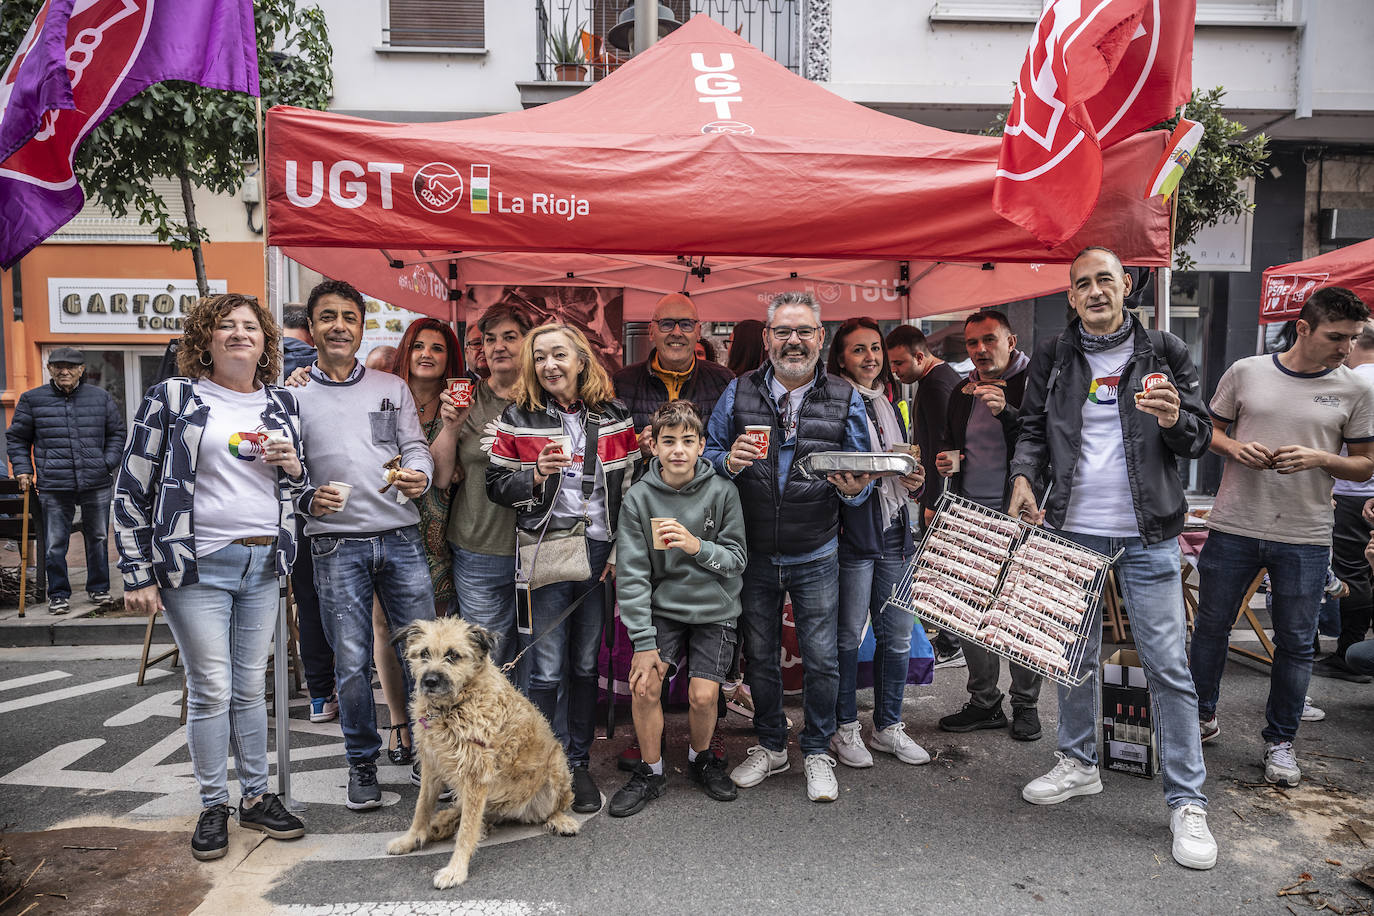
point(879, 464)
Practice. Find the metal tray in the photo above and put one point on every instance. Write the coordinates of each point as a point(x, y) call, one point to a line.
point(879, 464)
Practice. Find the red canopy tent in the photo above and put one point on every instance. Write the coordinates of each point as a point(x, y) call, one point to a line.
point(701, 164)
point(1286, 287)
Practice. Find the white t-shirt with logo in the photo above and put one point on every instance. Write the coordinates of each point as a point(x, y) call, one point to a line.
point(1101, 501)
point(1267, 403)
point(236, 490)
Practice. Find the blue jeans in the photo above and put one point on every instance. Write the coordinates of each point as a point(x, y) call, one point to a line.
point(59, 509)
point(348, 571)
point(1360, 657)
point(865, 586)
point(485, 585)
point(223, 627)
point(1153, 593)
point(569, 650)
point(1297, 573)
point(815, 592)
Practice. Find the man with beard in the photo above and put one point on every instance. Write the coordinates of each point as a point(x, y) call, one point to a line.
point(981, 425)
point(792, 527)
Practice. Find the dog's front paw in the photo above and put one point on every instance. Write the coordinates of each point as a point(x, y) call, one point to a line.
point(402, 845)
point(563, 824)
point(452, 876)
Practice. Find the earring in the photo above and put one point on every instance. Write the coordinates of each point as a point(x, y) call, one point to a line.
point(207, 363)
point(263, 360)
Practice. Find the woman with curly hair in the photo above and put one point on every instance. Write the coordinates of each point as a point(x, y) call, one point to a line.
point(560, 459)
point(204, 516)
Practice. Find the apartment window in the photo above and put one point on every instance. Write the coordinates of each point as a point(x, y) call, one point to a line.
point(436, 24)
point(1209, 12)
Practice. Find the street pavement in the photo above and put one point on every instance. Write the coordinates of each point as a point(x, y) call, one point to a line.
point(83, 747)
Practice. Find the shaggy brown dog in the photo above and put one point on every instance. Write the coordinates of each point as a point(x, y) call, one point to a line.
point(476, 733)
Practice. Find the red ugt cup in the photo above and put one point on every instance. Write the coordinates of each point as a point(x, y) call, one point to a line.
point(1150, 381)
point(460, 389)
point(758, 436)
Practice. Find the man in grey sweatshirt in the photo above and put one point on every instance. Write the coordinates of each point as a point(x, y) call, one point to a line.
point(353, 422)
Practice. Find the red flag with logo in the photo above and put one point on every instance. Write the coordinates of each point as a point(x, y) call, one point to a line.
point(1095, 74)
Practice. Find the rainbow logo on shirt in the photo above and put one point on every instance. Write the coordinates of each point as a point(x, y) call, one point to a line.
point(1104, 390)
point(247, 446)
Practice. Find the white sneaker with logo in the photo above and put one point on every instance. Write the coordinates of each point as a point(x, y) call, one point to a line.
point(758, 766)
point(1194, 846)
point(1311, 713)
point(848, 744)
point(1280, 766)
point(895, 741)
point(1067, 779)
point(821, 785)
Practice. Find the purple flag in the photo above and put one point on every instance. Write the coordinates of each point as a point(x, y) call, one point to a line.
point(109, 50)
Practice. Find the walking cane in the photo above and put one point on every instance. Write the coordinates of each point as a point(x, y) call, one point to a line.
point(24, 553)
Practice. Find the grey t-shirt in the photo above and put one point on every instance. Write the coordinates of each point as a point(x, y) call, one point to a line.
point(475, 523)
point(985, 457)
point(1267, 403)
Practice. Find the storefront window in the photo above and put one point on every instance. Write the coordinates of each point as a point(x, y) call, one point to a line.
point(124, 372)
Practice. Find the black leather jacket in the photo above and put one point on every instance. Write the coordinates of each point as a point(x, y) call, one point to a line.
point(1052, 425)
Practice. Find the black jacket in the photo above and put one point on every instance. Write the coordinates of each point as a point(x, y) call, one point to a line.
point(928, 423)
point(956, 426)
point(1052, 426)
point(644, 392)
point(77, 437)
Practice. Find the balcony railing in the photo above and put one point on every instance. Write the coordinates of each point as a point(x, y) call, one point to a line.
point(570, 34)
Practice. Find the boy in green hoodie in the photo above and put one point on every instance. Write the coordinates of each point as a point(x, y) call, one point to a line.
point(679, 555)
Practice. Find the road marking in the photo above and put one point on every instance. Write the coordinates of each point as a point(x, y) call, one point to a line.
point(14, 682)
point(66, 693)
point(424, 908)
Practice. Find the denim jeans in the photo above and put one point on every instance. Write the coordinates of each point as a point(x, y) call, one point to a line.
point(1348, 537)
point(570, 650)
point(865, 586)
point(348, 571)
point(59, 509)
point(1153, 593)
point(1297, 572)
point(1360, 657)
point(815, 592)
point(223, 627)
point(485, 585)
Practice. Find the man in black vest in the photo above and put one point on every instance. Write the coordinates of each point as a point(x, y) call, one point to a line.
point(792, 526)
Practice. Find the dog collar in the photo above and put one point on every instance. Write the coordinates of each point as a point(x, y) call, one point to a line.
point(424, 723)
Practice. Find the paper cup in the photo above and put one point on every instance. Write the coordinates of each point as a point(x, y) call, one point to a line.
point(277, 437)
point(758, 435)
point(657, 524)
point(460, 389)
point(1153, 379)
point(344, 488)
point(955, 458)
point(564, 444)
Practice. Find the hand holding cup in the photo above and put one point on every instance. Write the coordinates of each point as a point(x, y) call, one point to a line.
point(330, 498)
point(553, 458)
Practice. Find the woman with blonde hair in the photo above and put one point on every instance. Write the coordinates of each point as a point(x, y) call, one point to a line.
point(204, 516)
point(560, 459)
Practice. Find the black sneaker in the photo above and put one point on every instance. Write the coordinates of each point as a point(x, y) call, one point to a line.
point(1335, 666)
point(973, 717)
point(586, 796)
point(643, 785)
point(271, 817)
point(1025, 723)
point(954, 658)
point(445, 794)
point(708, 771)
point(62, 606)
point(100, 599)
point(211, 839)
point(363, 791)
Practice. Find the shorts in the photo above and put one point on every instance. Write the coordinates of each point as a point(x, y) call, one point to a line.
point(710, 647)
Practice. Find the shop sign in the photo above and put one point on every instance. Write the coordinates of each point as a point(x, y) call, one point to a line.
point(1225, 246)
point(83, 305)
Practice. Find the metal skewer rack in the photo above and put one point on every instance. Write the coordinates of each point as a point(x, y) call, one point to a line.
point(998, 581)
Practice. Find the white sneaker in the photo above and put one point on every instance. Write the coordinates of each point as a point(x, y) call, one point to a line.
point(1280, 766)
point(1067, 779)
point(1311, 713)
point(758, 766)
point(848, 745)
point(1194, 846)
point(820, 778)
point(894, 740)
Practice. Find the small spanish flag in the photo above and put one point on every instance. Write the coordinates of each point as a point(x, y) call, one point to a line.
point(1169, 172)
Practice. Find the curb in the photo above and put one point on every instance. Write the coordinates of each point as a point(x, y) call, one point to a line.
point(81, 631)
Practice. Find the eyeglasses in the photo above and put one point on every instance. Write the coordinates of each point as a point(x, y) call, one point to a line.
point(666, 325)
point(785, 333)
point(473, 345)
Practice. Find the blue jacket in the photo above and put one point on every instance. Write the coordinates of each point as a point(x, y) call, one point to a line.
point(76, 437)
point(155, 490)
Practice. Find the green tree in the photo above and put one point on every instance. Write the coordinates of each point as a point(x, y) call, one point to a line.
point(193, 135)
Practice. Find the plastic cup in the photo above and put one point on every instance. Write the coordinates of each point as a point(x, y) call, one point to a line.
point(460, 389)
point(344, 488)
point(955, 459)
point(758, 435)
point(657, 525)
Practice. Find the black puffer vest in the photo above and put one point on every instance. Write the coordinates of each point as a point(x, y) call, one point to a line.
point(808, 513)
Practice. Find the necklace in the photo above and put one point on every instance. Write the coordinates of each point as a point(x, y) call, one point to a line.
point(425, 407)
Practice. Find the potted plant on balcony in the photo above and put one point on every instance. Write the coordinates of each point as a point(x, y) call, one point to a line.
point(565, 51)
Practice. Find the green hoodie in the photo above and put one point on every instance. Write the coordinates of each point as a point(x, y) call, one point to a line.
point(669, 583)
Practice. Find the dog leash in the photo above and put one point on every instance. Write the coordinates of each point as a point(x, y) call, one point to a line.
point(567, 612)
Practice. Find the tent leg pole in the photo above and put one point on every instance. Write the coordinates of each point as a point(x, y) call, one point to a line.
point(281, 702)
point(1166, 276)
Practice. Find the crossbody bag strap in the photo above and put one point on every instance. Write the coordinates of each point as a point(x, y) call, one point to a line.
point(591, 433)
